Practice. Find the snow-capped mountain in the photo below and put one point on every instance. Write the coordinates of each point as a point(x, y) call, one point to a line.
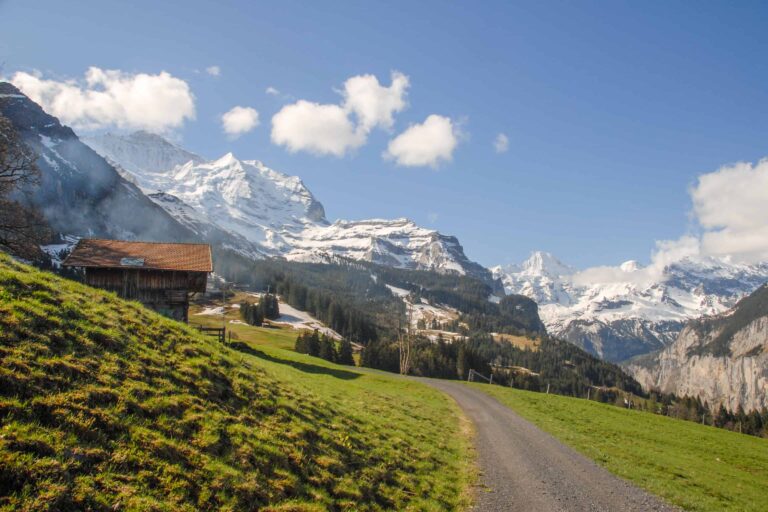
point(625, 317)
point(79, 192)
point(269, 213)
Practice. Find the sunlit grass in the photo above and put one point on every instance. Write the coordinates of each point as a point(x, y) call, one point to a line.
point(106, 405)
point(694, 466)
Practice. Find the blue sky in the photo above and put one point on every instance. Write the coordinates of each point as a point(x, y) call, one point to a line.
point(612, 110)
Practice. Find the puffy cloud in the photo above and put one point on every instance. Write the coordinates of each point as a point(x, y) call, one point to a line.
point(426, 144)
point(113, 98)
point(213, 70)
point(316, 128)
point(731, 205)
point(272, 91)
point(501, 143)
point(373, 104)
point(240, 120)
point(330, 128)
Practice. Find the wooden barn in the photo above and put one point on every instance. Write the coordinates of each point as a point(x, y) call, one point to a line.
point(162, 276)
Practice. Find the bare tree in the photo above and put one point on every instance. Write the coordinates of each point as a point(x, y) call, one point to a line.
point(22, 228)
point(404, 342)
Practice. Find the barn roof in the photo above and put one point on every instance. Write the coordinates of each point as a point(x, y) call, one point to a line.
point(91, 252)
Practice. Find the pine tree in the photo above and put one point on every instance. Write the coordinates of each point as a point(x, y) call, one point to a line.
point(345, 353)
point(301, 344)
point(313, 344)
point(327, 350)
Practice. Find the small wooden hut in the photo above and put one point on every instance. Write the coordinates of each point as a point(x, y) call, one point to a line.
point(162, 276)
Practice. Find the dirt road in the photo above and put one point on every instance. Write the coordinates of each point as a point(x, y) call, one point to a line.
point(526, 469)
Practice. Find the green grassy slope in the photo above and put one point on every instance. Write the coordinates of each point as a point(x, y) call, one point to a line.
point(107, 406)
point(691, 465)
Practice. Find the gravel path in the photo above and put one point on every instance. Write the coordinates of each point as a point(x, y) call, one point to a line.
point(526, 469)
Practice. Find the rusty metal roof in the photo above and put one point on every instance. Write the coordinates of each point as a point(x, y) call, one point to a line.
point(91, 252)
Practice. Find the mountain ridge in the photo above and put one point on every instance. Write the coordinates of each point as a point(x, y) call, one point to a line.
point(621, 319)
point(271, 213)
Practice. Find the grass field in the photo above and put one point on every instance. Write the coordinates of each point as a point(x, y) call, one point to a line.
point(690, 465)
point(521, 342)
point(105, 405)
point(276, 336)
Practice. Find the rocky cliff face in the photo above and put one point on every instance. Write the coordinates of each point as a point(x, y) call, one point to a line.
point(722, 359)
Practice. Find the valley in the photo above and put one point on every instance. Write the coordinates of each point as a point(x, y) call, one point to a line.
point(107, 405)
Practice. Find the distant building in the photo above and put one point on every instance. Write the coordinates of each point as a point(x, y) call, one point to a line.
point(162, 276)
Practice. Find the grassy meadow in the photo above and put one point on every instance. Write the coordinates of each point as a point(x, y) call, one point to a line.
point(105, 405)
point(693, 466)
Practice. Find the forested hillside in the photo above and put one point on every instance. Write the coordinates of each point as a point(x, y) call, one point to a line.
point(353, 298)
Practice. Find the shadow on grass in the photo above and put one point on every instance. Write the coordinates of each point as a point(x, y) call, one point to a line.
point(304, 367)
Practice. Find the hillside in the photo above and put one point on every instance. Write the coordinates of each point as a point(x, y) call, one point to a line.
point(722, 359)
point(366, 303)
point(105, 405)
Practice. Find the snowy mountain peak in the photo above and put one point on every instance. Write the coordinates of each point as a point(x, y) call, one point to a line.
point(227, 160)
point(544, 263)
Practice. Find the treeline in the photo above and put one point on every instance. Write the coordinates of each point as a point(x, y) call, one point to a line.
point(564, 368)
point(514, 314)
point(352, 297)
point(267, 308)
point(325, 347)
point(342, 296)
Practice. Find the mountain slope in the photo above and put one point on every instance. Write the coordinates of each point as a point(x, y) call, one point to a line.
point(270, 213)
point(141, 152)
point(79, 192)
point(722, 359)
point(105, 405)
point(633, 315)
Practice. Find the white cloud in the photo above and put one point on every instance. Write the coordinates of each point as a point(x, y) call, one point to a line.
point(240, 120)
point(731, 205)
point(213, 70)
point(373, 104)
point(272, 91)
point(432, 217)
point(330, 128)
point(113, 98)
point(501, 143)
point(426, 144)
point(315, 128)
